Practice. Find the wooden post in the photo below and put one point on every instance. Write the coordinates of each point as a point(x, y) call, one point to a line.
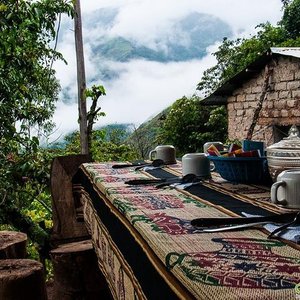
point(66, 226)
point(81, 81)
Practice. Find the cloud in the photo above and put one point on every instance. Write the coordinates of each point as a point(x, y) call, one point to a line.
point(144, 88)
point(144, 20)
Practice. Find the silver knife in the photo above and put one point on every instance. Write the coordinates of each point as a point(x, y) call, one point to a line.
point(233, 227)
point(207, 222)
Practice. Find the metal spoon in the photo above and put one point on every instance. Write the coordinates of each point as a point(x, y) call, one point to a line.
point(155, 163)
point(285, 226)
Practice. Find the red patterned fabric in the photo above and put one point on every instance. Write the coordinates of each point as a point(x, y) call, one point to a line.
point(230, 265)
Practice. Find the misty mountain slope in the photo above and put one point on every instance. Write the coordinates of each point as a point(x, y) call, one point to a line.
point(186, 39)
point(110, 54)
point(143, 66)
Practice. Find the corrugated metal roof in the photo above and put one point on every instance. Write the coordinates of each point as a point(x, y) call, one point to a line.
point(220, 95)
point(295, 51)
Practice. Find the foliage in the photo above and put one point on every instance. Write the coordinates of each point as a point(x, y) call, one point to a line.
point(107, 145)
point(188, 125)
point(144, 138)
point(291, 19)
point(235, 55)
point(95, 92)
point(28, 87)
point(28, 92)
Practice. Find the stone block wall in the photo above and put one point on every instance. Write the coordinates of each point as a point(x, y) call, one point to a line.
point(281, 106)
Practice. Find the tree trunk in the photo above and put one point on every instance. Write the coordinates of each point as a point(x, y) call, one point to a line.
point(76, 273)
point(22, 279)
point(12, 244)
point(81, 81)
point(263, 95)
point(14, 216)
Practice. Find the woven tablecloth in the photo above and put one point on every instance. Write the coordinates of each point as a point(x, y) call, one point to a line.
point(232, 265)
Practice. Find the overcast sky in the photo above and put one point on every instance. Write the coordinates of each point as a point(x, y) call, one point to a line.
point(144, 88)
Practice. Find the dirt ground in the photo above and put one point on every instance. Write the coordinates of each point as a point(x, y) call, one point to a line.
point(50, 292)
point(49, 288)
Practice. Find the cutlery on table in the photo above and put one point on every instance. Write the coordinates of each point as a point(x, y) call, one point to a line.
point(138, 164)
point(188, 178)
point(234, 227)
point(207, 222)
point(121, 166)
point(162, 181)
point(285, 226)
point(156, 163)
point(239, 223)
point(144, 181)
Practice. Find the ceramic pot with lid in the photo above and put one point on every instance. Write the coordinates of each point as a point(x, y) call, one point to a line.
point(285, 154)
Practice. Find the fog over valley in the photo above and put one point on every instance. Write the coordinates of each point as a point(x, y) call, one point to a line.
point(147, 54)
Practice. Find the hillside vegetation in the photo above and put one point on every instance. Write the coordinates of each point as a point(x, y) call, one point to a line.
point(29, 91)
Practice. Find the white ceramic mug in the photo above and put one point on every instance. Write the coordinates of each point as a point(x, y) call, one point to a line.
point(196, 163)
point(286, 190)
point(165, 152)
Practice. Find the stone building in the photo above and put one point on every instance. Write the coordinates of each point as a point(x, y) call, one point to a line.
point(264, 97)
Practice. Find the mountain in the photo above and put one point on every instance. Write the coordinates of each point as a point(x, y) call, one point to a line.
point(184, 39)
point(187, 39)
point(109, 54)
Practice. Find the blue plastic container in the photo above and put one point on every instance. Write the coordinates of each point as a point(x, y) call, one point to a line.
point(242, 169)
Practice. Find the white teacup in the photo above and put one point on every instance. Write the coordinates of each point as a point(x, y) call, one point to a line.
point(286, 190)
point(165, 152)
point(196, 163)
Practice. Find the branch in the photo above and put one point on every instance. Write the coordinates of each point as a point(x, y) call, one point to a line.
point(266, 85)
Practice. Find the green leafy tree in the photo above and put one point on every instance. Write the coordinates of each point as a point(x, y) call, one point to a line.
point(291, 19)
point(234, 55)
point(107, 144)
point(94, 93)
point(28, 93)
point(28, 87)
point(188, 125)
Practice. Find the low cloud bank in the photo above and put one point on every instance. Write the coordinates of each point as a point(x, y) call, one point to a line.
point(143, 88)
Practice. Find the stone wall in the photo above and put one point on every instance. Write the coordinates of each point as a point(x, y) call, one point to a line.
point(281, 106)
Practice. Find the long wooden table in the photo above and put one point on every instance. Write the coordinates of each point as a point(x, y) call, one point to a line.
point(147, 248)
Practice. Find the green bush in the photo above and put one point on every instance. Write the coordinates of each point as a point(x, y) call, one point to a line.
point(188, 125)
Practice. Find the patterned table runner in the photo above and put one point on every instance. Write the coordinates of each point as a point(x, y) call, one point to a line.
point(237, 265)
